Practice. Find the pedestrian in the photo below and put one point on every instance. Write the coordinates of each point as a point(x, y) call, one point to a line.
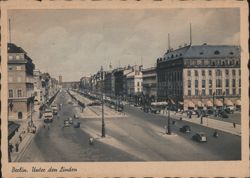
point(201, 120)
point(216, 134)
point(234, 125)
point(180, 118)
point(91, 140)
point(17, 146)
point(173, 122)
point(20, 137)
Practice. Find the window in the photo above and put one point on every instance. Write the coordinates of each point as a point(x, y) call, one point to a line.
point(138, 84)
point(210, 92)
point(227, 91)
point(189, 83)
point(189, 73)
point(218, 83)
point(218, 72)
point(233, 82)
point(203, 91)
point(11, 95)
point(227, 72)
point(10, 57)
point(18, 67)
point(196, 73)
point(239, 82)
point(234, 91)
point(196, 83)
point(239, 72)
point(210, 73)
point(195, 62)
point(189, 92)
point(219, 92)
point(233, 72)
point(227, 82)
point(210, 83)
point(216, 52)
point(203, 83)
point(239, 91)
point(10, 67)
point(203, 72)
point(17, 57)
point(19, 93)
point(196, 92)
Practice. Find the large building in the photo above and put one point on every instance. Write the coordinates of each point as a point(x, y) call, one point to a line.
point(202, 75)
point(39, 91)
point(20, 82)
point(149, 83)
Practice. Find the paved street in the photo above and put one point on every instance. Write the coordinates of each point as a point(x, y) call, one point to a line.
point(137, 137)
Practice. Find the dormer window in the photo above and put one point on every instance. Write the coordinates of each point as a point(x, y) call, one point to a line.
point(180, 54)
point(231, 53)
point(201, 53)
point(216, 52)
point(172, 56)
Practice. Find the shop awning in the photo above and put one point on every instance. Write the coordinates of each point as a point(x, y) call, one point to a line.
point(200, 104)
point(190, 104)
point(209, 103)
point(229, 103)
point(218, 103)
point(238, 103)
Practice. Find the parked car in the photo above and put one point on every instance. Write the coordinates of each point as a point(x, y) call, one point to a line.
point(223, 114)
point(185, 129)
point(200, 137)
point(154, 110)
point(70, 120)
point(76, 124)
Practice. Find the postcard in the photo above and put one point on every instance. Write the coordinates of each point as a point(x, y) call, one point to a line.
point(124, 89)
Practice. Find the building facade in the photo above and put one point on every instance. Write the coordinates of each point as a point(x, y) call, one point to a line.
point(198, 76)
point(20, 83)
point(149, 83)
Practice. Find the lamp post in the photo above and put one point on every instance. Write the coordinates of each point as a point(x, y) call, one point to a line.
point(103, 123)
point(223, 98)
point(213, 98)
point(168, 131)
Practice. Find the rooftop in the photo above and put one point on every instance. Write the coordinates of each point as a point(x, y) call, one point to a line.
point(203, 51)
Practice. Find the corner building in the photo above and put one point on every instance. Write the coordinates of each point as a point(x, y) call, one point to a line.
point(200, 76)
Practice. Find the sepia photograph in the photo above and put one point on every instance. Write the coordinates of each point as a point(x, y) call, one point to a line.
point(130, 90)
point(124, 85)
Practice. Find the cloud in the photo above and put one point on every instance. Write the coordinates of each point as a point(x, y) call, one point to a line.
point(76, 42)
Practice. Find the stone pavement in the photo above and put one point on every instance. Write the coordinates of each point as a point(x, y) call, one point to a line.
point(25, 135)
point(208, 122)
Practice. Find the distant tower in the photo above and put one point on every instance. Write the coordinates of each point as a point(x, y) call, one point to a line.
point(60, 80)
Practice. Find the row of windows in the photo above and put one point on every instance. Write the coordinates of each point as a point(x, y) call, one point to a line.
point(17, 57)
point(19, 93)
point(212, 62)
point(14, 68)
point(217, 73)
point(217, 92)
point(210, 83)
point(170, 76)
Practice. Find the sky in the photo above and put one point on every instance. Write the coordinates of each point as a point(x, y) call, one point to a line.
point(75, 43)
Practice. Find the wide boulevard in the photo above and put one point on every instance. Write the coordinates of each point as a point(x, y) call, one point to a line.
point(137, 136)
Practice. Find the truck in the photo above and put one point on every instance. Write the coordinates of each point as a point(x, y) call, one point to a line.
point(48, 115)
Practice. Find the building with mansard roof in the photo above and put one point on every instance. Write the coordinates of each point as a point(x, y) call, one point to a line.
point(200, 75)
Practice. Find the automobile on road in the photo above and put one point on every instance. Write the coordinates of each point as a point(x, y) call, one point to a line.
point(200, 137)
point(54, 109)
point(95, 103)
point(70, 120)
point(66, 123)
point(48, 115)
point(185, 129)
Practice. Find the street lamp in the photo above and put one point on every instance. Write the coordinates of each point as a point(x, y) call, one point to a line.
point(213, 98)
point(168, 131)
point(223, 97)
point(103, 123)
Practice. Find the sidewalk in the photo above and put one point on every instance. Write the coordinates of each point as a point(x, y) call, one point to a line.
point(208, 122)
point(26, 137)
